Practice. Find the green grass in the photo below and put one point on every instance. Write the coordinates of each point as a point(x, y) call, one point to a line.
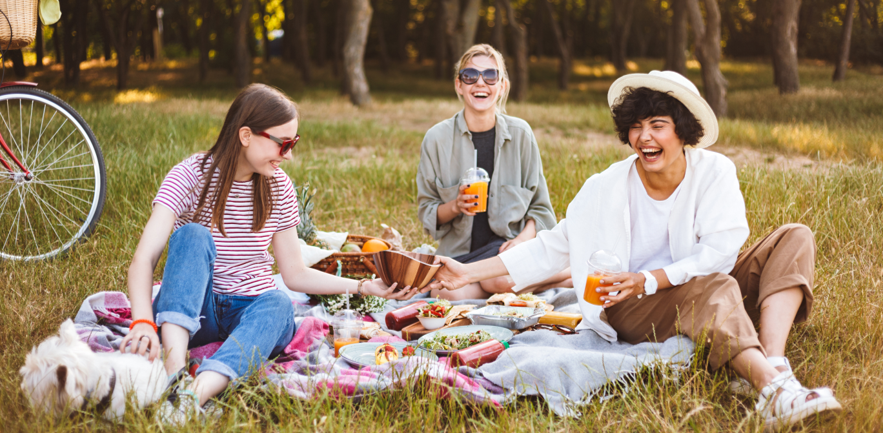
point(363, 162)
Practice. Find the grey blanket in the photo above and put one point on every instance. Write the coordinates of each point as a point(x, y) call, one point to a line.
point(569, 371)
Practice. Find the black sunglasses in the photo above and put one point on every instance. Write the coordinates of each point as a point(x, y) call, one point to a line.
point(285, 145)
point(561, 329)
point(470, 76)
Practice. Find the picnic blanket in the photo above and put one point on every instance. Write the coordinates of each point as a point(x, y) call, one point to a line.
point(567, 371)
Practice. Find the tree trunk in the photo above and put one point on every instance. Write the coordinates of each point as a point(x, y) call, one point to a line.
point(620, 28)
point(381, 41)
point(242, 56)
point(38, 46)
point(403, 15)
point(784, 45)
point(341, 17)
point(676, 57)
point(321, 35)
point(184, 22)
point(441, 41)
point(288, 31)
point(106, 45)
point(845, 36)
point(460, 25)
point(56, 42)
point(359, 22)
point(563, 42)
point(265, 34)
point(519, 76)
point(498, 38)
point(302, 49)
point(205, 11)
point(119, 35)
point(708, 51)
point(82, 34)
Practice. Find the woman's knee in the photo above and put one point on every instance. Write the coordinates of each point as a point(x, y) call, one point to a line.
point(797, 232)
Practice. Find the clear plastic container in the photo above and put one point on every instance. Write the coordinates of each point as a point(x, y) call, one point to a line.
point(478, 180)
point(347, 324)
point(601, 264)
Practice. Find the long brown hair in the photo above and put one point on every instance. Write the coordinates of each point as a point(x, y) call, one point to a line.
point(259, 107)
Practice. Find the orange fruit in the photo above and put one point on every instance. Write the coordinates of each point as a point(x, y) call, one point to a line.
point(373, 246)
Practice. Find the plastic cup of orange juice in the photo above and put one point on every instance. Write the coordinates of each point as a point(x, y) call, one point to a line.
point(347, 324)
point(477, 179)
point(601, 264)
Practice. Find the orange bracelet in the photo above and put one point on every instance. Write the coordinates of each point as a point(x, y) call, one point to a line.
point(147, 321)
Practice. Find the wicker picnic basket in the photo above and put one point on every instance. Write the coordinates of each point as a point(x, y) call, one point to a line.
point(21, 28)
point(351, 263)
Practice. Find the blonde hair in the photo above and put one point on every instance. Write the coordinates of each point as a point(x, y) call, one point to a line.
point(487, 51)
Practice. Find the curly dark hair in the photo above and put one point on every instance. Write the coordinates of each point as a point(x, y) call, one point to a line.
point(637, 104)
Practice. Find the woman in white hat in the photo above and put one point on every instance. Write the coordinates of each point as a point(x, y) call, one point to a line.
point(674, 216)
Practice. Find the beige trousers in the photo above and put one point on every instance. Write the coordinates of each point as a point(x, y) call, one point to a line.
point(723, 308)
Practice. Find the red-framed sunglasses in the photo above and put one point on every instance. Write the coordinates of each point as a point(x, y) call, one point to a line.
point(285, 145)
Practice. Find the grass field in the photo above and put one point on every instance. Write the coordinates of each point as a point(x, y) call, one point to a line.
point(363, 163)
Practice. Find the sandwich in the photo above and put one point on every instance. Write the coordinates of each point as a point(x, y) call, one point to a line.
point(526, 300)
point(500, 299)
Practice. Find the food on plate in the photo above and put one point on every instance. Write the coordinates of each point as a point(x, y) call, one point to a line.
point(404, 316)
point(371, 330)
point(500, 298)
point(526, 300)
point(385, 353)
point(522, 300)
point(509, 313)
point(440, 308)
point(408, 351)
point(373, 246)
point(565, 319)
point(456, 341)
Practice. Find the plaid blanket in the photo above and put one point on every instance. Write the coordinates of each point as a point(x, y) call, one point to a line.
point(307, 368)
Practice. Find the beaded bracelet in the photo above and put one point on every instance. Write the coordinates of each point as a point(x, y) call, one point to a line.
point(147, 321)
point(359, 287)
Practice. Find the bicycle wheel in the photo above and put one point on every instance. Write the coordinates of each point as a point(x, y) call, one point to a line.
point(47, 213)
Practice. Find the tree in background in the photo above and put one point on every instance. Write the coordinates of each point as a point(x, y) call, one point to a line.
point(460, 25)
point(707, 37)
point(358, 23)
point(242, 56)
point(676, 41)
point(563, 40)
point(786, 14)
point(519, 75)
point(124, 19)
point(620, 29)
point(843, 58)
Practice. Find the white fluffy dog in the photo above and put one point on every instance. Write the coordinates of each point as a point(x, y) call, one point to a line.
point(63, 375)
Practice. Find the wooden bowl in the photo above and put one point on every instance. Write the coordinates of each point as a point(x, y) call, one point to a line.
point(405, 268)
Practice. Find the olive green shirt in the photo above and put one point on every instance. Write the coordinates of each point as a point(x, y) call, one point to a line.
point(517, 192)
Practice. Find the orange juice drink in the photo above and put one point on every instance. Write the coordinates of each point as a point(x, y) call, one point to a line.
point(340, 342)
point(479, 189)
point(593, 281)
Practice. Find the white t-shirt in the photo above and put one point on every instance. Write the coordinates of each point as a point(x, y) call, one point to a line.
point(650, 248)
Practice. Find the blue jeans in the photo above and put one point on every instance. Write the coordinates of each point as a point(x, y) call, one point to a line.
point(253, 328)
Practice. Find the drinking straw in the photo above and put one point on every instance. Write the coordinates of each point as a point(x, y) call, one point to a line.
point(475, 161)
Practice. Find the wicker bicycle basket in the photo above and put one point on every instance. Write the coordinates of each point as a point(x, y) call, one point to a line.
point(351, 263)
point(21, 28)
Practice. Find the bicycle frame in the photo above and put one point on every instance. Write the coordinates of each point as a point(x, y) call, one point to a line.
point(3, 144)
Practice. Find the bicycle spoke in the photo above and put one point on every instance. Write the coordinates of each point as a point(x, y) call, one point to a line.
point(30, 121)
point(40, 169)
point(48, 185)
point(8, 129)
point(76, 224)
point(53, 137)
point(48, 222)
point(66, 168)
point(30, 225)
point(60, 143)
point(15, 222)
point(40, 136)
point(60, 222)
point(53, 188)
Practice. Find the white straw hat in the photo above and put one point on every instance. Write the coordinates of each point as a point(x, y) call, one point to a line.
point(678, 86)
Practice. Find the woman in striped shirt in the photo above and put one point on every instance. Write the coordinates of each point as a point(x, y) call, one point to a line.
point(223, 209)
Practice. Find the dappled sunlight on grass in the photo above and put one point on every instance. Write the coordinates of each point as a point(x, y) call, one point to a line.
point(134, 95)
point(597, 71)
